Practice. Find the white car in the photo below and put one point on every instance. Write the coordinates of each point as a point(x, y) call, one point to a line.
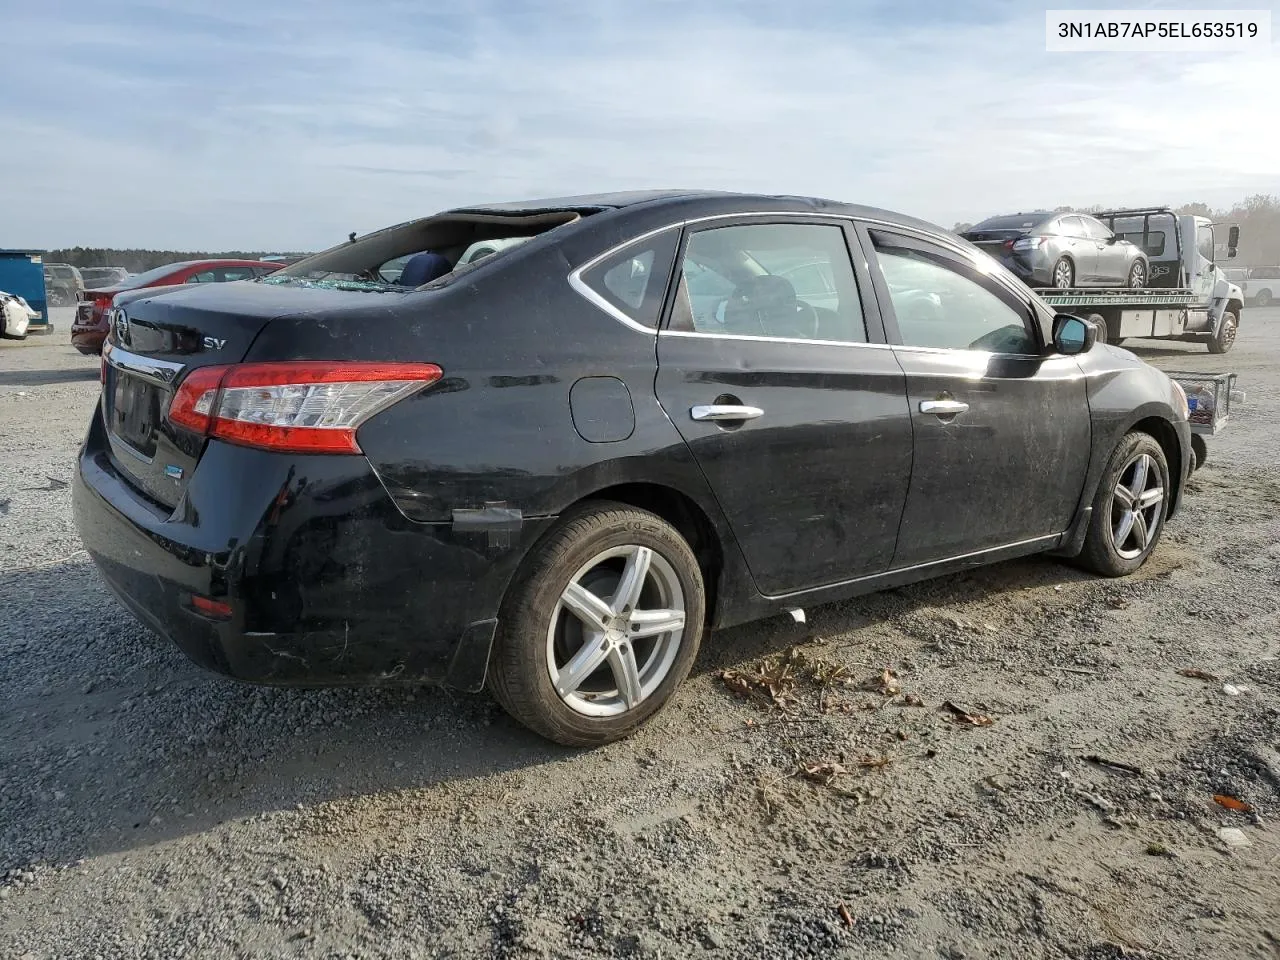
point(1261, 285)
point(15, 316)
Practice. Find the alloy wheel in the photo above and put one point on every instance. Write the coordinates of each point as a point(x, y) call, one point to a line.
point(1137, 507)
point(616, 631)
point(1138, 275)
point(1062, 274)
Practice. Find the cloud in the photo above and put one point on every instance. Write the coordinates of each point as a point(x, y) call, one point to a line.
point(288, 125)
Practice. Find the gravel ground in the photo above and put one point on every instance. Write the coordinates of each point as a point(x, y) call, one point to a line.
point(148, 809)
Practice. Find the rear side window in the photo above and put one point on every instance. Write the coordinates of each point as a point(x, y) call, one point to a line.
point(1072, 227)
point(788, 281)
point(632, 282)
point(206, 276)
point(237, 273)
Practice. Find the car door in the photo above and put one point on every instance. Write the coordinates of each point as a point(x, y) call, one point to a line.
point(1001, 429)
point(1082, 249)
point(796, 414)
point(1112, 264)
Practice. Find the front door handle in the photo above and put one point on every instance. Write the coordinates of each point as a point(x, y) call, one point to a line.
point(943, 408)
point(724, 411)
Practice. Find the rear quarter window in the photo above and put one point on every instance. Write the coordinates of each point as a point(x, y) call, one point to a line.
point(631, 283)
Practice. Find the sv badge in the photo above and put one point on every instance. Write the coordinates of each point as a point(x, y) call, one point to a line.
point(214, 343)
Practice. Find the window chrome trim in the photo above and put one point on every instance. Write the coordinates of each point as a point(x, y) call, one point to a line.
point(974, 257)
point(160, 372)
point(584, 290)
point(754, 338)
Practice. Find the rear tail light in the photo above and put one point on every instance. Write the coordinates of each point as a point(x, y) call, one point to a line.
point(213, 609)
point(302, 406)
point(1026, 243)
point(101, 304)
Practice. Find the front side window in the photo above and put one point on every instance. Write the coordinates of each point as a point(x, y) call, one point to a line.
point(633, 281)
point(1094, 229)
point(1204, 242)
point(791, 281)
point(237, 273)
point(944, 303)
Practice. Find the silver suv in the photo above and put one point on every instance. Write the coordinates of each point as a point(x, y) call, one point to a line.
point(1061, 250)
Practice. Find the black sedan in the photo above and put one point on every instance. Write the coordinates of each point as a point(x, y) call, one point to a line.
point(553, 470)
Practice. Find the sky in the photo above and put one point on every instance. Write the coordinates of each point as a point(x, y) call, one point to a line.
point(284, 125)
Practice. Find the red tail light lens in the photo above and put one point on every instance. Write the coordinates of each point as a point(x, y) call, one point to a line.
point(213, 609)
point(300, 406)
point(101, 304)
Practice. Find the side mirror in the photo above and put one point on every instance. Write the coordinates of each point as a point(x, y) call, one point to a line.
point(1112, 239)
point(1233, 242)
point(1073, 335)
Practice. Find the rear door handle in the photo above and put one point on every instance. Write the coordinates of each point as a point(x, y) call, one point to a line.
point(724, 411)
point(943, 408)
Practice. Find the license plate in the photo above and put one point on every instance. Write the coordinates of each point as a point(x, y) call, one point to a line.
point(135, 409)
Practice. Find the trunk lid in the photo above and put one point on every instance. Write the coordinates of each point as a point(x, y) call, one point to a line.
point(158, 338)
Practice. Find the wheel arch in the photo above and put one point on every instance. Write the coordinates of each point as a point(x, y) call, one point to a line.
point(1165, 434)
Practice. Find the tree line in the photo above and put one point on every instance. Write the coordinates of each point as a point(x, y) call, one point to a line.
point(1258, 217)
point(138, 261)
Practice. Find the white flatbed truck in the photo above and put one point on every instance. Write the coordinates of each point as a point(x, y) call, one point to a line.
point(1188, 297)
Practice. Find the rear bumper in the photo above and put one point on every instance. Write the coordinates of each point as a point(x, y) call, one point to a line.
point(89, 337)
point(328, 583)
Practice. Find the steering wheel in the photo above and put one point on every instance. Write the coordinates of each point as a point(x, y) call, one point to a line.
point(802, 325)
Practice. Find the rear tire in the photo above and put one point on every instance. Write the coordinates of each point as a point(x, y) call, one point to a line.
point(1064, 273)
point(1129, 508)
point(1263, 298)
point(570, 660)
point(1225, 338)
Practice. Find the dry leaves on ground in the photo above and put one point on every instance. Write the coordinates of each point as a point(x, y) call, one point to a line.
point(1197, 674)
point(964, 717)
point(1231, 803)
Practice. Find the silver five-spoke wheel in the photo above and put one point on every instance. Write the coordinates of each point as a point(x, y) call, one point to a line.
point(1137, 505)
point(616, 631)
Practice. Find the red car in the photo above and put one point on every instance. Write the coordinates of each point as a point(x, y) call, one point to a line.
point(89, 329)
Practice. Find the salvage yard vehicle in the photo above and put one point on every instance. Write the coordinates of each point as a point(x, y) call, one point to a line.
point(1189, 297)
point(1260, 285)
point(15, 316)
point(96, 278)
point(89, 329)
point(63, 284)
point(547, 472)
point(1048, 249)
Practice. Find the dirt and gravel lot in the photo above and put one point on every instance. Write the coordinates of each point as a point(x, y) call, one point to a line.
point(148, 809)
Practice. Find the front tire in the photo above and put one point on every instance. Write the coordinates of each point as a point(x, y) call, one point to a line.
point(1225, 338)
point(1129, 508)
point(600, 627)
point(1263, 298)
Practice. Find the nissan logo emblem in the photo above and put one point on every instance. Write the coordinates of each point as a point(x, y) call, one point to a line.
point(121, 323)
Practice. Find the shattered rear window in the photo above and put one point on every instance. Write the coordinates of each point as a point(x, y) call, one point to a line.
point(334, 283)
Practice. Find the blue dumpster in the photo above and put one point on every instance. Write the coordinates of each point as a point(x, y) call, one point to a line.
point(22, 273)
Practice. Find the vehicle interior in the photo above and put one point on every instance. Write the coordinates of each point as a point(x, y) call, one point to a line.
point(457, 241)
